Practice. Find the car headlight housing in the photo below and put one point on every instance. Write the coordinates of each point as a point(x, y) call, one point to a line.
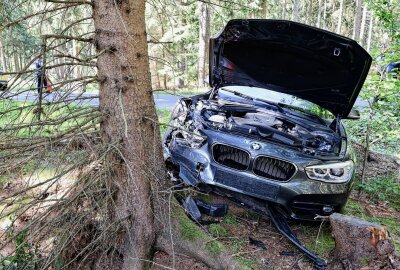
point(332, 173)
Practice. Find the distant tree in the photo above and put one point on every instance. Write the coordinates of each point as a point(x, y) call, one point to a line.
point(340, 17)
point(357, 20)
point(204, 36)
point(295, 16)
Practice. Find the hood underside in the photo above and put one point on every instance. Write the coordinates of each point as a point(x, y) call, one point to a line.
point(313, 64)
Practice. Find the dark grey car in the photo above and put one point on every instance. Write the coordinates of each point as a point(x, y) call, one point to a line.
point(258, 131)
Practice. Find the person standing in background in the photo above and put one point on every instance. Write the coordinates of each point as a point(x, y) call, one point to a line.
point(41, 79)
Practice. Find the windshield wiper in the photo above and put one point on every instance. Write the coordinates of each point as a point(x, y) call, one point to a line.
point(236, 93)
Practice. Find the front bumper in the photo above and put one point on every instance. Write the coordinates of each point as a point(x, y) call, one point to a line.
point(299, 197)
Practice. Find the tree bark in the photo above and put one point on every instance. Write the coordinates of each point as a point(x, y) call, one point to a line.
point(127, 103)
point(3, 57)
point(309, 17)
point(16, 61)
point(324, 15)
point(357, 20)
point(284, 9)
point(204, 36)
point(371, 25)
point(76, 48)
point(359, 242)
point(363, 21)
point(264, 9)
point(295, 11)
point(149, 215)
point(319, 13)
point(339, 25)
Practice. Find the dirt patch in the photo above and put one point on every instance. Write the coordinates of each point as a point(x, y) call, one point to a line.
point(164, 261)
point(378, 165)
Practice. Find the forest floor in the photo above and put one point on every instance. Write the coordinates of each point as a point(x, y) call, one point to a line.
point(256, 244)
point(241, 231)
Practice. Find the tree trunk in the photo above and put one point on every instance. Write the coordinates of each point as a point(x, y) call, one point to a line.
point(359, 242)
point(324, 16)
point(339, 25)
point(264, 9)
point(371, 25)
point(363, 21)
point(16, 61)
point(3, 57)
point(204, 36)
point(319, 13)
point(129, 126)
point(295, 16)
point(76, 48)
point(309, 17)
point(357, 20)
point(127, 104)
point(284, 10)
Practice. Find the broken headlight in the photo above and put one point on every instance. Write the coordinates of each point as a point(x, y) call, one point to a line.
point(331, 173)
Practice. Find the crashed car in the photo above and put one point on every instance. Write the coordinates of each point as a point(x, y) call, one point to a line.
point(259, 130)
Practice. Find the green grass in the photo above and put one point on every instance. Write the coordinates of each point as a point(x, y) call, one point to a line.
point(237, 245)
point(320, 240)
point(215, 247)
point(245, 263)
point(384, 135)
point(230, 219)
point(217, 230)
point(354, 208)
point(20, 119)
point(164, 116)
point(188, 229)
point(19, 115)
point(383, 189)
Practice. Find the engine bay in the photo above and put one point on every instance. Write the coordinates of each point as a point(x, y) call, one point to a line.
point(310, 135)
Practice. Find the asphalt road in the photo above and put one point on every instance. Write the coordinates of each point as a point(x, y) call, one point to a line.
point(162, 101)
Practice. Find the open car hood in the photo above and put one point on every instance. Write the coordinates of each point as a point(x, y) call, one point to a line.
point(288, 57)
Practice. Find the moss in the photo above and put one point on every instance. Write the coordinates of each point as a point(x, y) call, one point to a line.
point(396, 242)
point(217, 230)
point(230, 219)
point(325, 243)
point(245, 263)
point(237, 245)
point(364, 261)
point(354, 208)
point(204, 197)
point(215, 247)
point(188, 230)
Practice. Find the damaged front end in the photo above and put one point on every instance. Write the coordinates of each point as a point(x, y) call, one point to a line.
point(250, 135)
point(263, 150)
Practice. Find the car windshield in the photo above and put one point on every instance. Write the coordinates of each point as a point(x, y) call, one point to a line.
point(276, 97)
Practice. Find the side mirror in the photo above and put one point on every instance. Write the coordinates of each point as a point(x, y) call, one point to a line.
point(354, 114)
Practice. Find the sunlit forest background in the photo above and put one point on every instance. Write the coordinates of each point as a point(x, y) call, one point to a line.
point(50, 149)
point(178, 33)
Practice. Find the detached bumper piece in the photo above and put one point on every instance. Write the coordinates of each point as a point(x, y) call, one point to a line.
point(195, 207)
point(277, 218)
point(212, 209)
point(283, 227)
